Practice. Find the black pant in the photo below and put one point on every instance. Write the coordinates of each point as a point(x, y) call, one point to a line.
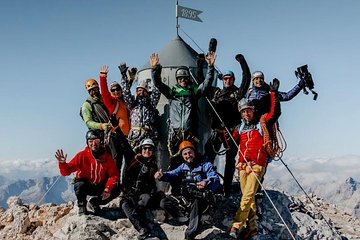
point(135, 209)
point(117, 151)
point(83, 189)
point(170, 205)
point(213, 146)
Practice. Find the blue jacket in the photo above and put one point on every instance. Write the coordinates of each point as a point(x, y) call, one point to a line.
point(258, 93)
point(259, 96)
point(201, 171)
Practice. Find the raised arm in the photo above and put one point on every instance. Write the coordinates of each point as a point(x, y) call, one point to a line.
point(287, 96)
point(64, 167)
point(246, 76)
point(200, 68)
point(210, 58)
point(107, 98)
point(126, 85)
point(274, 112)
point(156, 76)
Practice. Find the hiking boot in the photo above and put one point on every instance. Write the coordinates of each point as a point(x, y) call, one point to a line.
point(182, 219)
point(144, 233)
point(249, 233)
point(94, 206)
point(82, 211)
point(234, 233)
point(259, 195)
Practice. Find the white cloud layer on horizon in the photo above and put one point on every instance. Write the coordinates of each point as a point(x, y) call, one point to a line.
point(28, 169)
point(306, 169)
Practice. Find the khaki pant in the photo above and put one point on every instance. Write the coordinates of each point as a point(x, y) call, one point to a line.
point(249, 185)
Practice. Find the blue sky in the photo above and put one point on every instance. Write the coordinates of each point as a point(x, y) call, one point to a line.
point(49, 48)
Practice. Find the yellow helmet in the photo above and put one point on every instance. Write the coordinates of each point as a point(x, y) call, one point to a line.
point(185, 144)
point(90, 84)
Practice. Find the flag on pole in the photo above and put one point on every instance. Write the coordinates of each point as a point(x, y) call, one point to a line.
point(188, 13)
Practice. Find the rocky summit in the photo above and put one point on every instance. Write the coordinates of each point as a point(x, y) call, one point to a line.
point(301, 218)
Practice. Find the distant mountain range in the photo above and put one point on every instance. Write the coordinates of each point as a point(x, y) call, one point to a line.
point(33, 190)
point(333, 180)
point(329, 178)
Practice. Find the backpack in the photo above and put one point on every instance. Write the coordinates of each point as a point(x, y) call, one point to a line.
point(92, 109)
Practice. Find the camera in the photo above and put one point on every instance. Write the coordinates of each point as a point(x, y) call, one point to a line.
point(303, 74)
point(189, 190)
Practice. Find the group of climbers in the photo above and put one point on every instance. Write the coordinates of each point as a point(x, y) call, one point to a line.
point(123, 134)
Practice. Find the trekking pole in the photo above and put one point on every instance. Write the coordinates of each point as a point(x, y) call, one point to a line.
point(331, 228)
point(48, 190)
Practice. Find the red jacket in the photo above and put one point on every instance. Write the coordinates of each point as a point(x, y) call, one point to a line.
point(252, 142)
point(110, 103)
point(86, 166)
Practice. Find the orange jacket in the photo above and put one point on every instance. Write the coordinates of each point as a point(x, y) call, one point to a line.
point(96, 171)
point(110, 102)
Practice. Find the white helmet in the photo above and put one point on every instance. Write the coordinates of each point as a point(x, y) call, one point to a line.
point(144, 84)
point(147, 141)
point(258, 74)
point(244, 103)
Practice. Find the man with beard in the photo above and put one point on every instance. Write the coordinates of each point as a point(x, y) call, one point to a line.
point(96, 173)
point(199, 179)
point(93, 110)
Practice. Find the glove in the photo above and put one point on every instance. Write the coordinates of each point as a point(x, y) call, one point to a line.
point(274, 86)
point(220, 76)
point(105, 126)
point(114, 121)
point(123, 68)
point(132, 72)
point(239, 57)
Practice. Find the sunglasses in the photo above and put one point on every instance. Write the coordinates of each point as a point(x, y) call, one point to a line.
point(183, 78)
point(95, 89)
point(115, 89)
point(227, 78)
point(147, 148)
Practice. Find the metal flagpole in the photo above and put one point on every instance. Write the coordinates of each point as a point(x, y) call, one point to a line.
point(177, 18)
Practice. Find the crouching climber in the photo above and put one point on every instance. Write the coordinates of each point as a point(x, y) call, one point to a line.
point(199, 179)
point(139, 192)
point(96, 173)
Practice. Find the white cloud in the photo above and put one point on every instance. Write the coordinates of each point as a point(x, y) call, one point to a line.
point(26, 169)
point(305, 169)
